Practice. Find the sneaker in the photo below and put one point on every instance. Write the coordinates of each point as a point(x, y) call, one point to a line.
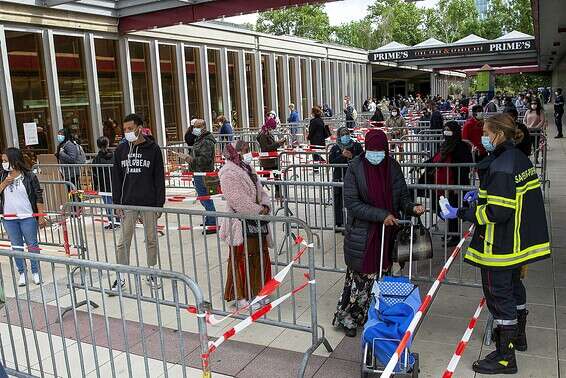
point(210, 231)
point(114, 287)
point(111, 226)
point(36, 279)
point(153, 281)
point(559, 136)
point(23, 279)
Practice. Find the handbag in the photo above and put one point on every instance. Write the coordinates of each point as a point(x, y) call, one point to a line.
point(422, 243)
point(212, 184)
point(255, 228)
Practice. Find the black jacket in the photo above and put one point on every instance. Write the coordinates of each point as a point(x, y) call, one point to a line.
point(138, 175)
point(33, 189)
point(361, 214)
point(436, 120)
point(203, 152)
point(317, 132)
point(267, 143)
point(101, 176)
point(336, 157)
point(510, 219)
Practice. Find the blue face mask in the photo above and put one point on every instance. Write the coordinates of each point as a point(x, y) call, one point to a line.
point(487, 144)
point(197, 131)
point(375, 157)
point(345, 139)
point(60, 138)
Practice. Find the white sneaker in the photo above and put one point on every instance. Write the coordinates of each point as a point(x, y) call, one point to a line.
point(23, 279)
point(36, 279)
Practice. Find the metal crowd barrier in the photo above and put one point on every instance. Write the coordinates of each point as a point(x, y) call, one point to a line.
point(134, 332)
point(184, 241)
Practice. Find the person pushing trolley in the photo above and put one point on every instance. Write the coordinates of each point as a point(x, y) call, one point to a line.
point(511, 231)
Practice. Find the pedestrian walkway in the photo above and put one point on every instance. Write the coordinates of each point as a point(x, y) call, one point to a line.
point(266, 351)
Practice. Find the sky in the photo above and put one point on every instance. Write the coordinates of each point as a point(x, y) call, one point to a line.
point(338, 11)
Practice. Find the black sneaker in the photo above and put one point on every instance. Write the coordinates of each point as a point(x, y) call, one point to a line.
point(114, 287)
point(111, 226)
point(559, 136)
point(210, 231)
point(153, 281)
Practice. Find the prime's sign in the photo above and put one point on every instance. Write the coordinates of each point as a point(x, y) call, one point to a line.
point(486, 48)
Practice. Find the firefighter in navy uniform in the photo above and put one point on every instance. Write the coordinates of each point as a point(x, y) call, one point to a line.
point(511, 231)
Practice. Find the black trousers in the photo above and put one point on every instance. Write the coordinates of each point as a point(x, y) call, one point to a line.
point(558, 121)
point(338, 207)
point(504, 294)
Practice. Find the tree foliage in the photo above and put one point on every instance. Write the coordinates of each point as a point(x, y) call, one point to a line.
point(396, 20)
point(308, 21)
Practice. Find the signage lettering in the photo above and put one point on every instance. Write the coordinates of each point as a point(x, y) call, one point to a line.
point(452, 51)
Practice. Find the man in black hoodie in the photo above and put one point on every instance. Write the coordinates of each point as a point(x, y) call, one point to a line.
point(138, 179)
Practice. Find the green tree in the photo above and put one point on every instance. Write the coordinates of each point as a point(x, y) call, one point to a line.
point(506, 16)
point(452, 20)
point(309, 21)
point(396, 20)
point(358, 34)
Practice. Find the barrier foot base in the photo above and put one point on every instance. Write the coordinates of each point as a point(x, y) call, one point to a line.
point(79, 304)
point(308, 354)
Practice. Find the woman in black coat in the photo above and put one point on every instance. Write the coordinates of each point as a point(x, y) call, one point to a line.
point(342, 152)
point(318, 132)
point(368, 211)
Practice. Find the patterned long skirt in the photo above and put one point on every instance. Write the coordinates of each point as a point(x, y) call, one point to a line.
point(353, 305)
point(257, 268)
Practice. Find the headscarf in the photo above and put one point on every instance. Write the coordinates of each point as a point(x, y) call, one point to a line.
point(270, 124)
point(451, 142)
point(232, 152)
point(378, 178)
point(377, 116)
point(343, 130)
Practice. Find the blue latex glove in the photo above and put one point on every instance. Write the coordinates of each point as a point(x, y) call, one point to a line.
point(471, 196)
point(452, 213)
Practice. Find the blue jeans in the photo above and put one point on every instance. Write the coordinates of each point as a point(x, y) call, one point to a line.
point(207, 204)
point(20, 230)
point(107, 200)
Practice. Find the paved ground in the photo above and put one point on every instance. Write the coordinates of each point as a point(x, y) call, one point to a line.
point(263, 350)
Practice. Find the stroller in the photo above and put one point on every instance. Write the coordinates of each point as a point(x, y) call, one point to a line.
point(394, 304)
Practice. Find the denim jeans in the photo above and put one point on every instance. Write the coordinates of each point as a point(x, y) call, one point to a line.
point(207, 204)
point(107, 200)
point(20, 230)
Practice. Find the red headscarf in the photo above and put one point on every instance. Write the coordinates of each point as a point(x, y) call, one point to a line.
point(270, 124)
point(380, 193)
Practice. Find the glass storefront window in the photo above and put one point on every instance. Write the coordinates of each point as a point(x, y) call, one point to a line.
point(304, 104)
point(170, 91)
point(29, 89)
point(252, 91)
point(281, 105)
point(234, 83)
point(266, 84)
point(73, 88)
point(215, 83)
point(110, 88)
point(141, 83)
point(315, 84)
point(194, 83)
point(2, 131)
point(293, 86)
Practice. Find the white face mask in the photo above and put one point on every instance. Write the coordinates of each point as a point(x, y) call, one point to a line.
point(394, 114)
point(448, 133)
point(248, 158)
point(6, 166)
point(131, 136)
point(534, 106)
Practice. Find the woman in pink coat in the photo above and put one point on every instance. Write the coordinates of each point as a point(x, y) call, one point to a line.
point(244, 194)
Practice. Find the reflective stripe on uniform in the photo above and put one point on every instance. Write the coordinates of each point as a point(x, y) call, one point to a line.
point(501, 201)
point(502, 260)
point(517, 228)
point(533, 184)
point(489, 235)
point(481, 215)
point(482, 193)
point(505, 322)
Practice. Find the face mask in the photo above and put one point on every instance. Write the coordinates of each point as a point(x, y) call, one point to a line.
point(394, 114)
point(375, 157)
point(448, 133)
point(534, 107)
point(487, 144)
point(60, 138)
point(6, 166)
point(248, 158)
point(345, 139)
point(131, 136)
point(197, 131)
point(479, 116)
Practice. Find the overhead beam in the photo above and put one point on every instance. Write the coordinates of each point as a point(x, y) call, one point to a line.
point(54, 3)
point(186, 14)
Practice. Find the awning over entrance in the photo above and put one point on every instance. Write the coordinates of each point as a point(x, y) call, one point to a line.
point(147, 14)
point(514, 48)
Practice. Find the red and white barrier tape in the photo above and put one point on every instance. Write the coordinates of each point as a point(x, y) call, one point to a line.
point(451, 368)
point(191, 174)
point(31, 215)
point(161, 227)
point(268, 289)
point(424, 307)
point(194, 199)
point(212, 346)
